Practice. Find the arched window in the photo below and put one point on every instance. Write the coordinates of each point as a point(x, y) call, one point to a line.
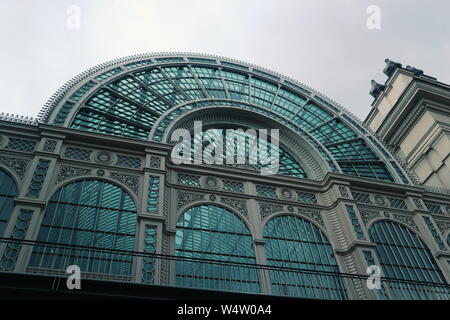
point(88, 213)
point(8, 190)
point(243, 143)
point(404, 256)
point(293, 242)
point(213, 233)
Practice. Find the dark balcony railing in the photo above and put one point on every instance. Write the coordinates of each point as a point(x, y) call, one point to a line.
point(21, 256)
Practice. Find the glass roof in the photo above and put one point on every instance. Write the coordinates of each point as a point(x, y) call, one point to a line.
point(131, 99)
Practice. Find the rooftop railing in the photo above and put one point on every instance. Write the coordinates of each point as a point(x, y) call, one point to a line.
point(21, 256)
point(18, 118)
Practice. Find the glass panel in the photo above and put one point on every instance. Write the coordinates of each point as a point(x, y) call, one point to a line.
point(293, 242)
point(91, 214)
point(403, 255)
point(224, 241)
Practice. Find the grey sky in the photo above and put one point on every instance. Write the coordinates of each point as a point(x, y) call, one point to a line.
point(322, 43)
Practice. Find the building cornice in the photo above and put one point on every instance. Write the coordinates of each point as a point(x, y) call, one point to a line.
point(429, 139)
point(407, 109)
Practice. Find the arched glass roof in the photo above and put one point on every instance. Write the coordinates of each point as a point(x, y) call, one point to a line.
point(140, 96)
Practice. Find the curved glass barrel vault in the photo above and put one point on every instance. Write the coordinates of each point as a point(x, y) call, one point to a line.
point(8, 191)
point(89, 214)
point(130, 100)
point(297, 244)
point(210, 232)
point(404, 256)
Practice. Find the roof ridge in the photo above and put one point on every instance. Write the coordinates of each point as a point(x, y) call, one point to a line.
point(51, 103)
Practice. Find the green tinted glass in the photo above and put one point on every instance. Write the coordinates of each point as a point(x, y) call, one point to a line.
point(402, 254)
point(88, 213)
point(131, 104)
point(293, 242)
point(216, 235)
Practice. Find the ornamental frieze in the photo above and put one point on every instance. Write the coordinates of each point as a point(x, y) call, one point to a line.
point(408, 220)
point(443, 226)
point(67, 172)
point(19, 166)
point(184, 198)
point(130, 181)
point(239, 205)
point(267, 209)
point(312, 214)
point(368, 215)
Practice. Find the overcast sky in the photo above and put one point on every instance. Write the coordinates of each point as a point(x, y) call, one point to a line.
point(322, 43)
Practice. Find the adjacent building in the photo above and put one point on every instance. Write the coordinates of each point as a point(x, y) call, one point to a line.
point(411, 115)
